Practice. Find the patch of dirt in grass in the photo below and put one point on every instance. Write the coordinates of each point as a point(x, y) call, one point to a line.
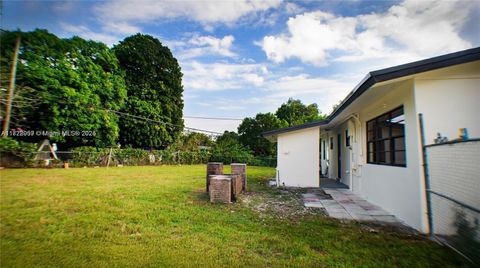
point(282, 203)
point(318, 250)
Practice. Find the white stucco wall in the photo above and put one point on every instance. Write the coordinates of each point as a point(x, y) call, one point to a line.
point(398, 190)
point(449, 100)
point(298, 158)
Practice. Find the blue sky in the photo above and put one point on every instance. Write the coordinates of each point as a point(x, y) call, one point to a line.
point(243, 57)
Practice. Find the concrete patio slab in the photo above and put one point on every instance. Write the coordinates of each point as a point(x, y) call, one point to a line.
point(346, 205)
point(313, 205)
point(335, 210)
point(333, 206)
point(329, 201)
point(378, 213)
point(386, 218)
point(361, 217)
point(311, 199)
point(343, 216)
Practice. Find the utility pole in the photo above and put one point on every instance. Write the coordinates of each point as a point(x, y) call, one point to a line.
point(11, 88)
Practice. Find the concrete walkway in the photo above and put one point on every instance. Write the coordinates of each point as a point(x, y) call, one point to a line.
point(348, 206)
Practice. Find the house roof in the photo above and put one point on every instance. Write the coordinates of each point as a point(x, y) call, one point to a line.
point(386, 74)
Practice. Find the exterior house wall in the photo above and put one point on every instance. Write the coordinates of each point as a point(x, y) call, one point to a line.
point(399, 190)
point(449, 100)
point(298, 158)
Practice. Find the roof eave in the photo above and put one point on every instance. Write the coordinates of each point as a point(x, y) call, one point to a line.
point(276, 132)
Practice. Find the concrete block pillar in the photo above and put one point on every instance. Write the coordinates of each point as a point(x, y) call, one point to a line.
point(213, 168)
point(220, 189)
point(241, 169)
point(237, 185)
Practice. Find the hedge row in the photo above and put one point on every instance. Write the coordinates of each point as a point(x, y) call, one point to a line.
point(23, 155)
point(16, 153)
point(91, 156)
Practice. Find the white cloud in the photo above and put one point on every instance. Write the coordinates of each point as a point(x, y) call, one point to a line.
point(310, 36)
point(424, 27)
point(64, 7)
point(221, 76)
point(121, 27)
point(271, 89)
point(253, 78)
point(206, 45)
point(324, 91)
point(410, 30)
point(292, 8)
point(86, 33)
point(110, 33)
point(205, 12)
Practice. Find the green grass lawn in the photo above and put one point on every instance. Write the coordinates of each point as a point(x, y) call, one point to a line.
point(159, 216)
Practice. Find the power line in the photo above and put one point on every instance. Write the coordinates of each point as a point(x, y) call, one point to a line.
point(213, 118)
point(148, 119)
point(143, 118)
point(159, 122)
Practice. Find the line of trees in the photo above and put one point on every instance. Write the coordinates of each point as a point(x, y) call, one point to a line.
point(249, 143)
point(71, 84)
point(75, 84)
point(249, 137)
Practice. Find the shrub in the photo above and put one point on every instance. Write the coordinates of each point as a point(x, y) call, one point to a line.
point(130, 156)
point(88, 156)
point(16, 153)
point(91, 156)
point(231, 152)
point(226, 152)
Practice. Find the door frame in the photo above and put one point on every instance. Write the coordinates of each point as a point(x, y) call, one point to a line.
point(339, 156)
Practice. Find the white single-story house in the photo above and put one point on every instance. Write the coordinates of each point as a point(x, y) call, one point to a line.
point(371, 142)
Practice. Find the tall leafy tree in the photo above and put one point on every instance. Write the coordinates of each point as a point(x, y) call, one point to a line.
point(294, 112)
point(72, 82)
point(228, 137)
point(251, 129)
point(227, 148)
point(154, 85)
point(191, 142)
